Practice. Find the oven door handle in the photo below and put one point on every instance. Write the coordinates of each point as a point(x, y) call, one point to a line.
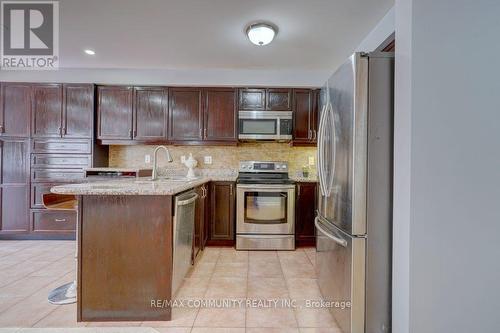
point(257, 187)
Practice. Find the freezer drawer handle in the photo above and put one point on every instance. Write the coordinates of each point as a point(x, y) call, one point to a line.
point(337, 240)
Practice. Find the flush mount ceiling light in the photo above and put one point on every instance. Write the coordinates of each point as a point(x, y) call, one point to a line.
point(261, 33)
point(89, 51)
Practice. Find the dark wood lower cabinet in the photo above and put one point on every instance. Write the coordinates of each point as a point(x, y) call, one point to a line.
point(14, 209)
point(14, 185)
point(222, 213)
point(305, 212)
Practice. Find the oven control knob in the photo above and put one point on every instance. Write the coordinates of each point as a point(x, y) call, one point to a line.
point(283, 166)
point(278, 167)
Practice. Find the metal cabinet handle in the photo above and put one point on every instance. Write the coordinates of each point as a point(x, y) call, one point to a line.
point(309, 135)
point(205, 133)
point(201, 133)
point(337, 240)
point(298, 190)
point(314, 134)
point(130, 133)
point(231, 190)
point(60, 220)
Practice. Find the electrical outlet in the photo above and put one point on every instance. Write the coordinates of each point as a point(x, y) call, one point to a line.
point(311, 160)
point(147, 159)
point(207, 159)
point(183, 159)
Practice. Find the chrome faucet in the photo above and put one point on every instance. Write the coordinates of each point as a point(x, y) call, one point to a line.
point(155, 161)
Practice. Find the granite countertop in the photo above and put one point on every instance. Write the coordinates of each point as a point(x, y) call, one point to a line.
point(300, 179)
point(140, 186)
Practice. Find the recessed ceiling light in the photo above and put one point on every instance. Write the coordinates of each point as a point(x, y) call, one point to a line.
point(261, 33)
point(89, 52)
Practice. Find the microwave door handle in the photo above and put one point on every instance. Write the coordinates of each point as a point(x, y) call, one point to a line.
point(340, 241)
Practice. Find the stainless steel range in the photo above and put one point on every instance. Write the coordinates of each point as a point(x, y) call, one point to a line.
point(265, 207)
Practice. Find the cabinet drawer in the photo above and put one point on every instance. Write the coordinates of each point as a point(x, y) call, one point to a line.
point(62, 146)
point(53, 221)
point(57, 175)
point(60, 161)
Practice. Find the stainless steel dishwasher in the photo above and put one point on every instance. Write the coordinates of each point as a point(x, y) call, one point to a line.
point(183, 236)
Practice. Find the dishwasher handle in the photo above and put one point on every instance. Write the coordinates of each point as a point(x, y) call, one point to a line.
point(188, 201)
point(337, 240)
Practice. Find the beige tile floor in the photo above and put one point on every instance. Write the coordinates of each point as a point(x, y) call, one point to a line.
point(30, 269)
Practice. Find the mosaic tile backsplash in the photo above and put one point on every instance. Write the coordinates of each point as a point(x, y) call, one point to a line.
point(222, 157)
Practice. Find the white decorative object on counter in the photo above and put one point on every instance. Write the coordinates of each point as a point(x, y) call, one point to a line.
point(191, 163)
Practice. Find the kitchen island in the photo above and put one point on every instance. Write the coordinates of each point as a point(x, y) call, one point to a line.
point(126, 247)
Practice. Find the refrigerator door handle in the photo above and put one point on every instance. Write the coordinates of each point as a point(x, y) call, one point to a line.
point(320, 151)
point(337, 240)
point(329, 187)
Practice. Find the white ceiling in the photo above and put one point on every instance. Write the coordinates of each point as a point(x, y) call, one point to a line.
point(209, 34)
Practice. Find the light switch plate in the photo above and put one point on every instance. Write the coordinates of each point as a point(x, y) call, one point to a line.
point(147, 159)
point(311, 160)
point(207, 159)
point(183, 159)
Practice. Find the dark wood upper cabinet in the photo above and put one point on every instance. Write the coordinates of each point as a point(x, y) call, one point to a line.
point(305, 213)
point(220, 114)
point(78, 111)
point(46, 112)
point(222, 224)
point(252, 99)
point(305, 117)
point(15, 108)
point(185, 114)
point(279, 99)
point(115, 109)
point(150, 113)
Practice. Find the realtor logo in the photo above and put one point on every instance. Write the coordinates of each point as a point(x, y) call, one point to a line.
point(30, 35)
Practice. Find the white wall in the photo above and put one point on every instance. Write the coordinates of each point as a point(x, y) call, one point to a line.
point(384, 28)
point(447, 159)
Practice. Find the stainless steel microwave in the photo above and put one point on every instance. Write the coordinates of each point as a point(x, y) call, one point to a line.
point(265, 125)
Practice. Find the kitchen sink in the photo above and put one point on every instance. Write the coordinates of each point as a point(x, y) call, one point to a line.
point(165, 180)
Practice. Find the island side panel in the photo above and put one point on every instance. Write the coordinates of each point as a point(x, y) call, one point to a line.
point(125, 257)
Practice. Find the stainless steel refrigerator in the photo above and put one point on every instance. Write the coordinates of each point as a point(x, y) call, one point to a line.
point(354, 213)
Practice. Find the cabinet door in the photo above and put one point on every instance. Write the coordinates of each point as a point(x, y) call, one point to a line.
point(78, 111)
point(304, 213)
point(314, 115)
point(14, 161)
point(14, 209)
point(279, 99)
point(252, 99)
point(14, 186)
point(46, 112)
point(220, 115)
point(222, 211)
point(185, 113)
point(150, 116)
point(15, 109)
point(114, 111)
point(303, 116)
